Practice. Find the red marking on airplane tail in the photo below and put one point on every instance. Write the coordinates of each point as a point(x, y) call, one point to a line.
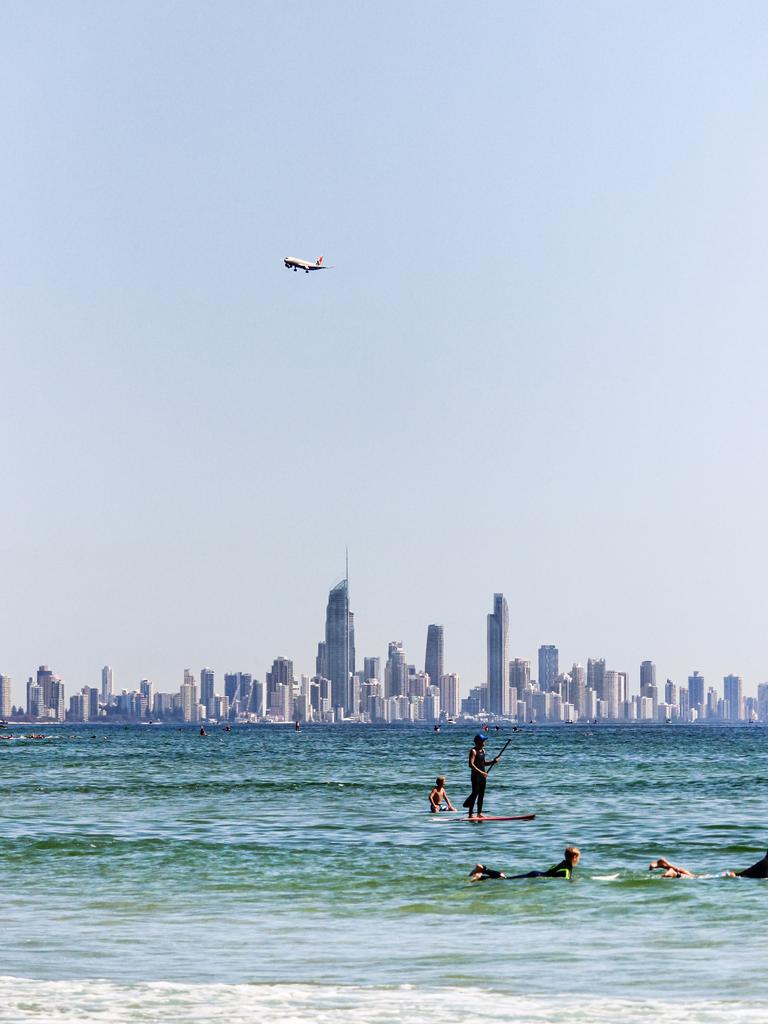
point(319, 260)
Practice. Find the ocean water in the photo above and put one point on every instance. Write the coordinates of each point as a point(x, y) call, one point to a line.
point(150, 874)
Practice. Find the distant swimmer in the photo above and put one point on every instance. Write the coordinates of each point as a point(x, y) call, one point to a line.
point(757, 870)
point(478, 770)
point(564, 869)
point(670, 870)
point(438, 797)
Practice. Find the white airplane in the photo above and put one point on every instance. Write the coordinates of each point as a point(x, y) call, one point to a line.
point(291, 263)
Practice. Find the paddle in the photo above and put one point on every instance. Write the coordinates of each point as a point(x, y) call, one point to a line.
point(469, 798)
point(500, 752)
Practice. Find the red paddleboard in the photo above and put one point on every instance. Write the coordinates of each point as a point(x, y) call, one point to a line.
point(491, 817)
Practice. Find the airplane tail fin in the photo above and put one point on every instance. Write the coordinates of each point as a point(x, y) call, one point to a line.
point(319, 260)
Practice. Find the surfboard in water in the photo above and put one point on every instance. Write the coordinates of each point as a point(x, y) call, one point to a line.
point(490, 817)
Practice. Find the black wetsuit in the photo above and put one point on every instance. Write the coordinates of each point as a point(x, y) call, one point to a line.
point(478, 783)
point(759, 870)
point(560, 870)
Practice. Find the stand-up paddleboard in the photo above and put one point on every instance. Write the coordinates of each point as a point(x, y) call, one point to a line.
point(490, 817)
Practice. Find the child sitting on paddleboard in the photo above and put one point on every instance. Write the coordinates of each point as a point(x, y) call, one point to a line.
point(438, 796)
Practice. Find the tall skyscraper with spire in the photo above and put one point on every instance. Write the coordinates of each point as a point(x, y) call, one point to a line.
point(340, 646)
point(433, 659)
point(498, 646)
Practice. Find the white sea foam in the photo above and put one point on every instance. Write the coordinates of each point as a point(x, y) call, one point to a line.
point(104, 1002)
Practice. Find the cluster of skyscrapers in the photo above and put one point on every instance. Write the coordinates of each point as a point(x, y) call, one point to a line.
point(596, 692)
point(339, 691)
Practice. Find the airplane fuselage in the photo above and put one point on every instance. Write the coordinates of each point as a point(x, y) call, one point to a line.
point(291, 263)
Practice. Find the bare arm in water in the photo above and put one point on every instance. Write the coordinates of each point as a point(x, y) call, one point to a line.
point(670, 870)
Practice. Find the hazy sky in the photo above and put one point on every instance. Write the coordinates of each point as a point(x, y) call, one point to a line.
point(538, 365)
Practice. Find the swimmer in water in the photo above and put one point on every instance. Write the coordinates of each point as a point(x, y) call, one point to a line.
point(438, 796)
point(757, 870)
point(670, 870)
point(564, 869)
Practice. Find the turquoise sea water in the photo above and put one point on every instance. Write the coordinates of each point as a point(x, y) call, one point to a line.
point(150, 874)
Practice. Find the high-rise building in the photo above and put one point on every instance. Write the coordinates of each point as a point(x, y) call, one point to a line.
point(611, 691)
point(45, 679)
point(106, 684)
point(433, 659)
point(56, 705)
point(207, 690)
point(647, 677)
point(498, 658)
point(281, 674)
point(762, 702)
point(418, 683)
point(238, 684)
point(340, 645)
point(188, 697)
point(52, 689)
point(548, 666)
point(5, 696)
point(578, 688)
point(372, 669)
point(395, 671)
point(684, 701)
point(78, 707)
point(670, 692)
point(431, 705)
point(696, 696)
point(596, 675)
point(519, 676)
point(147, 691)
point(321, 661)
point(232, 686)
point(256, 703)
point(35, 704)
point(449, 694)
point(282, 704)
point(733, 694)
point(93, 703)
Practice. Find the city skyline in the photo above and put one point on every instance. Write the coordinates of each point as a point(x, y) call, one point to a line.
point(507, 676)
point(406, 695)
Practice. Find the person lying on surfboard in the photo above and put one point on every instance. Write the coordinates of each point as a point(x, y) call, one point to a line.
point(564, 869)
point(757, 870)
point(438, 796)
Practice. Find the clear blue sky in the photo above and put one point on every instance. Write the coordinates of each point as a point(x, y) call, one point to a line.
point(539, 365)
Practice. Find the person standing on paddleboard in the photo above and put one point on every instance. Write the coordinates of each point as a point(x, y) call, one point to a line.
point(478, 769)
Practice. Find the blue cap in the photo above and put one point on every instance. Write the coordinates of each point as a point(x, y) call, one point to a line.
point(481, 736)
